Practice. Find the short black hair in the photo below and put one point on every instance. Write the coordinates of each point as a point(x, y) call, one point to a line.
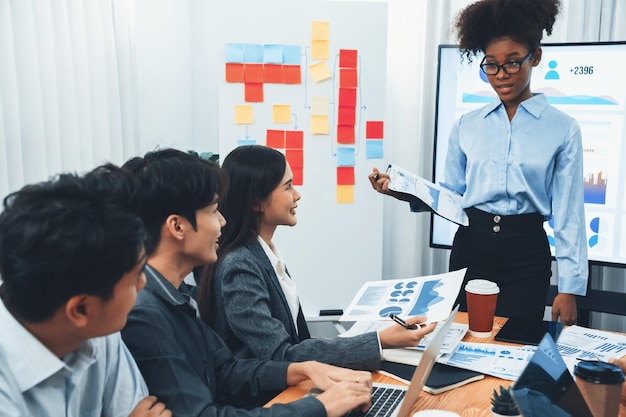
point(522, 20)
point(65, 237)
point(170, 182)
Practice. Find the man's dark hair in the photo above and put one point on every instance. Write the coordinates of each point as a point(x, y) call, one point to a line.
point(173, 182)
point(67, 236)
point(522, 20)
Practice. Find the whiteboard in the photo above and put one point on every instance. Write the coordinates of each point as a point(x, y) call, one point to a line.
point(335, 247)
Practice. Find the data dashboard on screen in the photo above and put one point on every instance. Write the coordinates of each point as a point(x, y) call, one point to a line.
point(586, 81)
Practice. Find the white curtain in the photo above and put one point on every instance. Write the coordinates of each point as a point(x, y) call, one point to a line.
point(67, 99)
point(416, 28)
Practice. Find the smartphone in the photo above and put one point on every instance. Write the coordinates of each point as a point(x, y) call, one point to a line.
point(528, 331)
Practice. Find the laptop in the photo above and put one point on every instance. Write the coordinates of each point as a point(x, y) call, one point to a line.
point(395, 400)
point(546, 388)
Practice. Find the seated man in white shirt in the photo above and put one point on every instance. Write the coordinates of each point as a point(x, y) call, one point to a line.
point(71, 262)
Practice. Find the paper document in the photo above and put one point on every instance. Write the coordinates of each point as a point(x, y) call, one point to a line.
point(501, 361)
point(451, 342)
point(576, 343)
point(439, 199)
point(432, 296)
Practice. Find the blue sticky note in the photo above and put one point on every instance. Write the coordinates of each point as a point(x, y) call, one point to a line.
point(253, 53)
point(291, 55)
point(373, 149)
point(273, 54)
point(233, 52)
point(345, 157)
point(244, 142)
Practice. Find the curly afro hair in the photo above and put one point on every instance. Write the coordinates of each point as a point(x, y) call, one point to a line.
point(522, 20)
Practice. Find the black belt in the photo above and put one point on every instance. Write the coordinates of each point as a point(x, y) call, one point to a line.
point(519, 224)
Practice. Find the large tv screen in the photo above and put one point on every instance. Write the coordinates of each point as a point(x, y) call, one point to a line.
point(586, 81)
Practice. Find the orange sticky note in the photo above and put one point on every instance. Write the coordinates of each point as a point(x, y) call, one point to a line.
point(374, 130)
point(275, 138)
point(347, 97)
point(253, 92)
point(295, 157)
point(234, 73)
point(348, 77)
point(273, 73)
point(291, 74)
point(345, 134)
point(253, 73)
point(345, 194)
point(348, 58)
point(347, 115)
point(298, 176)
point(294, 139)
point(345, 175)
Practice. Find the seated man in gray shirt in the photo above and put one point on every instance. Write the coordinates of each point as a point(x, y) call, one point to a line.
point(182, 359)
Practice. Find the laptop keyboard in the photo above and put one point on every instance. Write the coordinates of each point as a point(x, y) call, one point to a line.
point(385, 400)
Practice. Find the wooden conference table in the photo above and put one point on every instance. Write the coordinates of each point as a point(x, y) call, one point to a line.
point(471, 400)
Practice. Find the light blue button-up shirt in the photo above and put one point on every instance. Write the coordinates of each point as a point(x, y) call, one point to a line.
point(100, 378)
point(533, 163)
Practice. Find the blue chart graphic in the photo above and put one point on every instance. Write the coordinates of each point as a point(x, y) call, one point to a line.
point(594, 225)
point(553, 97)
point(595, 188)
point(402, 293)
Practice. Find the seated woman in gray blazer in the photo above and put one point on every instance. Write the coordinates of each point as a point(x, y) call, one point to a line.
point(249, 298)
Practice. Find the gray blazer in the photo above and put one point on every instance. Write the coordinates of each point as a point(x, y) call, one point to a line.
point(251, 314)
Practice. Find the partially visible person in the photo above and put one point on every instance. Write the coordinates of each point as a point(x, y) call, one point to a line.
point(516, 162)
point(249, 296)
point(71, 262)
point(182, 359)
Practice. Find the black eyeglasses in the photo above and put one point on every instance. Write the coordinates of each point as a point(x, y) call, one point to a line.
point(511, 67)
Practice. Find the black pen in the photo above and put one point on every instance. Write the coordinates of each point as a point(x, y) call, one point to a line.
point(403, 323)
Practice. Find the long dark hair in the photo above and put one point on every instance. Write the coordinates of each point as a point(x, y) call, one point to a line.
point(522, 20)
point(254, 171)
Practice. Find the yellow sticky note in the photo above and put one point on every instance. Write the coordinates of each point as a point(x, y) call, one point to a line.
point(319, 125)
point(281, 113)
point(320, 31)
point(244, 115)
point(345, 194)
point(320, 71)
point(319, 106)
point(319, 50)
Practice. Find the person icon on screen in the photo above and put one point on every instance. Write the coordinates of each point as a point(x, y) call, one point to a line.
point(552, 74)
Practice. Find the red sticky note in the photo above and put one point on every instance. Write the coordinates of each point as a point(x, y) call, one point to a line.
point(298, 176)
point(345, 175)
point(348, 77)
point(253, 73)
point(347, 115)
point(234, 73)
point(347, 97)
point(275, 138)
point(348, 58)
point(273, 73)
point(374, 130)
point(253, 92)
point(345, 134)
point(295, 157)
point(294, 139)
point(291, 74)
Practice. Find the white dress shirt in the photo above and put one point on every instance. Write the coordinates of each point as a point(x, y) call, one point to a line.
point(286, 283)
